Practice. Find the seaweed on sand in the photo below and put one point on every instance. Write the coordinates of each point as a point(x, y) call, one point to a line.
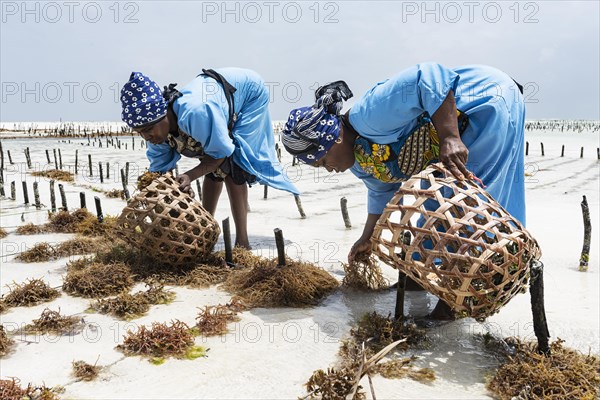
point(53, 322)
point(30, 293)
point(85, 371)
point(298, 284)
point(566, 373)
point(98, 280)
point(213, 320)
point(56, 174)
point(6, 343)
point(129, 306)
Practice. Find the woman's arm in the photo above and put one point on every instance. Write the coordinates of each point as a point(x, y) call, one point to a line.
point(453, 152)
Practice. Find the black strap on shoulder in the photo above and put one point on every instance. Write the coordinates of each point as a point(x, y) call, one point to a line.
point(229, 90)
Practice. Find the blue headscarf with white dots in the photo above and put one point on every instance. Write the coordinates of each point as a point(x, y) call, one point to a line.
point(142, 101)
point(311, 131)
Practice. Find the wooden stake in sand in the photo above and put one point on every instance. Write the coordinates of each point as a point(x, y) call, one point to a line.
point(562, 152)
point(107, 170)
point(48, 157)
point(100, 171)
point(13, 191)
point(227, 240)
point(536, 289)
point(581, 154)
point(265, 192)
point(299, 205)
point(52, 197)
point(60, 165)
point(127, 173)
point(98, 209)
point(345, 216)
point(28, 157)
point(526, 148)
point(36, 195)
point(401, 289)
point(82, 200)
point(124, 182)
point(76, 156)
point(280, 247)
point(542, 146)
point(9, 157)
point(587, 236)
point(55, 160)
point(25, 193)
point(63, 198)
point(90, 164)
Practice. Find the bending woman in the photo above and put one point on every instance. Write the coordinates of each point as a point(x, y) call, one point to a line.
point(470, 118)
point(220, 118)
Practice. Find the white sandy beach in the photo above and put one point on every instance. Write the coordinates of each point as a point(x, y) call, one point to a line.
point(271, 353)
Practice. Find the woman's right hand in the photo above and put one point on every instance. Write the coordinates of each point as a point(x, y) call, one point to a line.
point(361, 248)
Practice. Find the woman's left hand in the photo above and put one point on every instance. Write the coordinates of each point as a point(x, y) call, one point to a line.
point(454, 155)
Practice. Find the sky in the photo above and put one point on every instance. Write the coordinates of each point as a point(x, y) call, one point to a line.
point(66, 60)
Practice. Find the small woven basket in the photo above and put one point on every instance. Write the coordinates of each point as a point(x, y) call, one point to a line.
point(168, 224)
point(466, 248)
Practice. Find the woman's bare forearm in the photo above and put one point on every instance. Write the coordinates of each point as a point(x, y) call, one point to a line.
point(369, 226)
point(205, 167)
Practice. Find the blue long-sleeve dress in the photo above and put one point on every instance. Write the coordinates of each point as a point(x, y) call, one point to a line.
point(397, 138)
point(203, 114)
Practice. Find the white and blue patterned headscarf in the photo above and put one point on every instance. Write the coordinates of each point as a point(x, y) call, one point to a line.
point(311, 131)
point(142, 101)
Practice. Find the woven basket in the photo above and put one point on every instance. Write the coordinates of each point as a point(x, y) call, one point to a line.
point(168, 224)
point(466, 249)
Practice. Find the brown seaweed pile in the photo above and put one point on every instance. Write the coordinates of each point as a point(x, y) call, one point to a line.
point(298, 284)
point(98, 280)
point(160, 340)
point(3, 233)
point(213, 320)
point(85, 371)
point(30, 229)
point(66, 222)
point(6, 343)
point(30, 293)
point(565, 374)
point(44, 251)
point(130, 306)
point(115, 194)
point(53, 322)
point(372, 339)
point(364, 274)
point(10, 389)
point(55, 174)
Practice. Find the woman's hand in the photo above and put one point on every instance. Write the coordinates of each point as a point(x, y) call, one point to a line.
point(360, 249)
point(185, 183)
point(454, 156)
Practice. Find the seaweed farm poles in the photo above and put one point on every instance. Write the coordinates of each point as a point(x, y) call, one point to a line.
point(100, 172)
point(10, 160)
point(587, 236)
point(63, 198)
point(127, 173)
point(98, 209)
point(82, 200)
point(48, 157)
point(542, 146)
point(60, 160)
point(345, 216)
point(107, 170)
point(55, 160)
point(280, 247)
point(266, 192)
point(526, 148)
point(13, 191)
point(90, 164)
point(52, 196)
point(227, 240)
point(581, 154)
point(76, 160)
point(299, 205)
point(28, 157)
point(199, 187)
point(401, 289)
point(536, 289)
point(562, 152)
point(36, 195)
point(25, 192)
point(124, 182)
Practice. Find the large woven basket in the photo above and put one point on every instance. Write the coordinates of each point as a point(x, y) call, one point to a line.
point(465, 248)
point(168, 224)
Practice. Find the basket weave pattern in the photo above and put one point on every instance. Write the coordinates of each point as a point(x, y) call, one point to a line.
point(168, 224)
point(466, 249)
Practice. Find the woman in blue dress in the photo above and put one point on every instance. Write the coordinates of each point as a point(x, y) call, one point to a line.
point(222, 119)
point(470, 118)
